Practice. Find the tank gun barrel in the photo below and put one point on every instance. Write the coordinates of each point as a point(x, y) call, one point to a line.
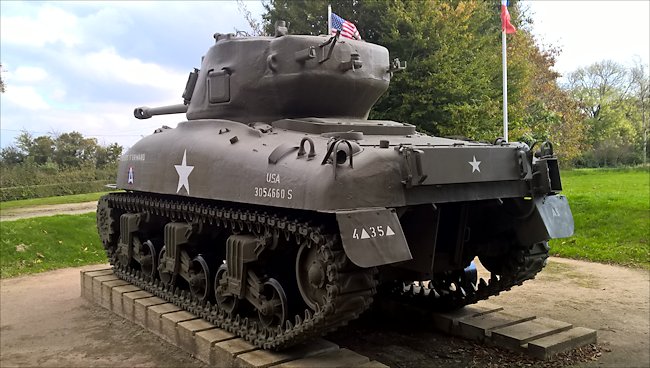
point(145, 112)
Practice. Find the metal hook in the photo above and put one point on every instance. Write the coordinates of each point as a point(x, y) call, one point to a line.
point(312, 151)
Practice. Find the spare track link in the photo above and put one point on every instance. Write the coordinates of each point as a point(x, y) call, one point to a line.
point(453, 290)
point(345, 300)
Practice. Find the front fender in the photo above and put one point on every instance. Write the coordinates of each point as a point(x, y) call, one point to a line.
point(550, 219)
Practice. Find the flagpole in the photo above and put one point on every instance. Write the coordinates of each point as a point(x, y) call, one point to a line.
point(505, 85)
point(329, 19)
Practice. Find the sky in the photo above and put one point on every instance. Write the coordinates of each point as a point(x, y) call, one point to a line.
point(591, 31)
point(84, 66)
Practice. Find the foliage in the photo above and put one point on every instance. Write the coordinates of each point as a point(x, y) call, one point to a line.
point(47, 243)
point(47, 166)
point(253, 23)
point(612, 216)
point(2, 83)
point(49, 190)
point(614, 99)
point(67, 150)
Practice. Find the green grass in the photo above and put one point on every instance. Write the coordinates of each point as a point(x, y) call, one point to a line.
point(611, 209)
point(76, 198)
point(47, 243)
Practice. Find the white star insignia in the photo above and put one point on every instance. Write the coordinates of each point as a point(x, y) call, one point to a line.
point(475, 164)
point(184, 171)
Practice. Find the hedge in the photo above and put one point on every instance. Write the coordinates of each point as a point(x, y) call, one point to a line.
point(51, 190)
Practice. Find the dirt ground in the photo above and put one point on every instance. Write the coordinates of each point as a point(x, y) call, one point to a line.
point(49, 210)
point(45, 322)
point(614, 301)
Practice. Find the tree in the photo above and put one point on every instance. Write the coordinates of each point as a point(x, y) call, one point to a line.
point(10, 156)
point(452, 86)
point(67, 150)
point(542, 110)
point(253, 23)
point(600, 84)
point(641, 90)
point(2, 83)
point(41, 150)
point(603, 92)
point(109, 155)
point(73, 150)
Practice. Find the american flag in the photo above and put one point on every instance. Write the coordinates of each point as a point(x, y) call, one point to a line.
point(348, 29)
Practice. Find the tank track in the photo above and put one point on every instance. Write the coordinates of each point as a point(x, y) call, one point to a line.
point(350, 289)
point(454, 290)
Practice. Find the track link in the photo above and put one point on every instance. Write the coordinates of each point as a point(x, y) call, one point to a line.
point(350, 289)
point(454, 290)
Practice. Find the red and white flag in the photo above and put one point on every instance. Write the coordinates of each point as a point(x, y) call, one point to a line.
point(506, 26)
point(348, 29)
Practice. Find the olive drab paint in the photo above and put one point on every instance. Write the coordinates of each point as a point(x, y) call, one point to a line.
point(279, 126)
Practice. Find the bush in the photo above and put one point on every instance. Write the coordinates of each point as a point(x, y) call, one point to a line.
point(51, 190)
point(27, 181)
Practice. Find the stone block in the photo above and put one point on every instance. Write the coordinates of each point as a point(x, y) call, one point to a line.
point(226, 352)
point(154, 316)
point(128, 303)
point(97, 286)
point(264, 358)
point(480, 327)
point(448, 322)
point(107, 292)
point(95, 273)
point(140, 309)
point(169, 322)
point(338, 358)
point(547, 347)
point(116, 297)
point(205, 341)
point(186, 333)
point(515, 336)
point(87, 281)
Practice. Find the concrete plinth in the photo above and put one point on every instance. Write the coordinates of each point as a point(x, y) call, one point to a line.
point(202, 339)
point(537, 336)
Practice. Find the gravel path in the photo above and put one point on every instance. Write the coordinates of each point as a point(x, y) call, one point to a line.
point(44, 322)
point(48, 210)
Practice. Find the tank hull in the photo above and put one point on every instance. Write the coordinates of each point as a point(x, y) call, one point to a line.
point(231, 161)
point(278, 211)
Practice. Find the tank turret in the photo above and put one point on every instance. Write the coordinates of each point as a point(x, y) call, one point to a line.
point(263, 79)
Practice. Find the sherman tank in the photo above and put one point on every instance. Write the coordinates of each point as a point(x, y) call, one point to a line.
point(278, 211)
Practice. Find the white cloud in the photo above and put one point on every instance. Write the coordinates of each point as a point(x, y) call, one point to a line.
point(84, 66)
point(27, 74)
point(58, 94)
point(108, 65)
point(107, 122)
point(25, 97)
point(51, 25)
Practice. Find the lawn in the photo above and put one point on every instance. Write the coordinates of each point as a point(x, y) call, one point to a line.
point(611, 209)
point(47, 243)
point(76, 198)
